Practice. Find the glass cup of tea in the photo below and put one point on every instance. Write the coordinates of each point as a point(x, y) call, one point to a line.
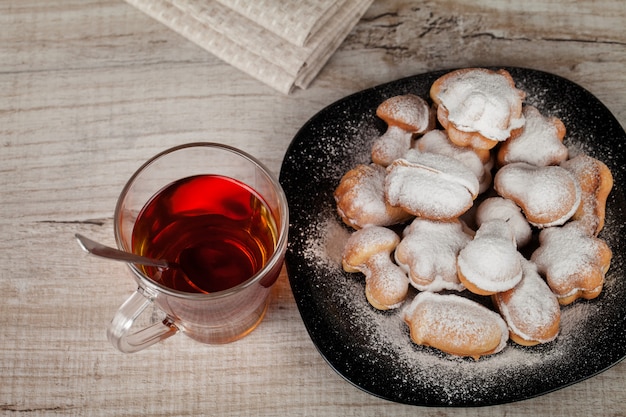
point(220, 219)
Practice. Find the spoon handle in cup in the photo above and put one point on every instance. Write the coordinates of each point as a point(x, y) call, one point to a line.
point(108, 252)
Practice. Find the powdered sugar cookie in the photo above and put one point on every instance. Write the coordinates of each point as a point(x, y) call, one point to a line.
point(455, 325)
point(595, 181)
point(428, 251)
point(478, 161)
point(360, 198)
point(548, 196)
point(490, 263)
point(405, 115)
point(530, 309)
point(503, 209)
point(478, 107)
point(429, 185)
point(540, 142)
point(369, 251)
point(573, 262)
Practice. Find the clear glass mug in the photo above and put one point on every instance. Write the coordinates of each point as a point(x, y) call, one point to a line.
point(213, 318)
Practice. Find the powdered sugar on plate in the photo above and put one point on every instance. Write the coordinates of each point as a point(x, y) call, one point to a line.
point(385, 336)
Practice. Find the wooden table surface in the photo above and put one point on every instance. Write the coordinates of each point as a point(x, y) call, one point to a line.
point(89, 89)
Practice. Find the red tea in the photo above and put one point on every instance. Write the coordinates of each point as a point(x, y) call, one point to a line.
point(217, 229)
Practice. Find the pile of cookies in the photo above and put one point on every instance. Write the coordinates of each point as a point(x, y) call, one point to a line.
point(452, 203)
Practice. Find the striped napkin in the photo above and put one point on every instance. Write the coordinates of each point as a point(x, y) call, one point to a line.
point(282, 43)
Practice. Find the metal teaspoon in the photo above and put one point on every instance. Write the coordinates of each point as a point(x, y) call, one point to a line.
point(108, 252)
point(190, 257)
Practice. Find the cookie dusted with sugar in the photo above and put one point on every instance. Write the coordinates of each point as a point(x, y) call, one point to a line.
point(490, 263)
point(360, 198)
point(540, 142)
point(428, 251)
point(369, 251)
point(503, 209)
point(530, 309)
point(548, 196)
point(478, 161)
point(478, 107)
point(406, 116)
point(429, 185)
point(596, 182)
point(455, 325)
point(573, 262)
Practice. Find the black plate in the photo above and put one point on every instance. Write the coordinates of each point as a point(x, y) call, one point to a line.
point(372, 349)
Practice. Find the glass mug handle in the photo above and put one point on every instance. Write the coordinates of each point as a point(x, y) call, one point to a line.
point(118, 331)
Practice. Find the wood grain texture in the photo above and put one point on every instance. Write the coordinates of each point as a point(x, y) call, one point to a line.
point(90, 89)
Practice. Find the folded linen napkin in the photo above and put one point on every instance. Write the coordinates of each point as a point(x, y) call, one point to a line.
point(276, 42)
point(294, 21)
